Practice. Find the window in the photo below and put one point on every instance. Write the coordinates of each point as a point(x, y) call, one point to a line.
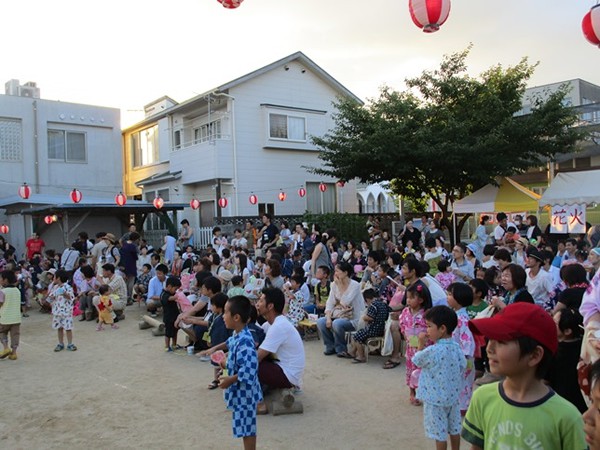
point(266, 208)
point(144, 146)
point(68, 146)
point(177, 139)
point(208, 132)
point(583, 163)
point(318, 202)
point(11, 140)
point(282, 126)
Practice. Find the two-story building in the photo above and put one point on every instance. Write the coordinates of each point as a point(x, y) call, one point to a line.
point(54, 147)
point(248, 137)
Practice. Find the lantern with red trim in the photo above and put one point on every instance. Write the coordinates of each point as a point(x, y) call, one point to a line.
point(301, 192)
point(341, 183)
point(49, 220)
point(282, 196)
point(429, 15)
point(230, 4)
point(4, 229)
point(195, 203)
point(222, 202)
point(158, 202)
point(591, 25)
point(120, 199)
point(253, 199)
point(76, 196)
point(24, 191)
point(322, 187)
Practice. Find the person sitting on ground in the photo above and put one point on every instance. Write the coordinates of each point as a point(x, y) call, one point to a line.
point(105, 308)
point(375, 317)
point(87, 289)
point(155, 288)
point(118, 289)
point(281, 339)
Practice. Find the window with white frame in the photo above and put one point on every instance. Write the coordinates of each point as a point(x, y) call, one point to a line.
point(11, 139)
point(208, 132)
point(144, 146)
point(67, 146)
point(283, 126)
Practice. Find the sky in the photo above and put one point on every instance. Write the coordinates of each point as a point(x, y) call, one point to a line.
point(124, 54)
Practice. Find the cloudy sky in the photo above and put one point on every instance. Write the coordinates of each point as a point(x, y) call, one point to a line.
point(126, 53)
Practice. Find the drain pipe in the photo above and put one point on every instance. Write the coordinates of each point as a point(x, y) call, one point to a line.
point(36, 145)
point(234, 142)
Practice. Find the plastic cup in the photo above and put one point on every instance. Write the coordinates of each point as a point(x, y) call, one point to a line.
point(190, 350)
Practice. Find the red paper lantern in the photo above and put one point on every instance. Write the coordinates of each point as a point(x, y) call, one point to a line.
point(253, 199)
point(591, 25)
point(230, 4)
point(322, 187)
point(158, 202)
point(76, 196)
point(4, 229)
point(195, 203)
point(120, 199)
point(49, 220)
point(282, 196)
point(341, 183)
point(24, 191)
point(222, 202)
point(429, 15)
point(301, 192)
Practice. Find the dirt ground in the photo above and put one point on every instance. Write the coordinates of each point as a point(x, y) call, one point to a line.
point(121, 390)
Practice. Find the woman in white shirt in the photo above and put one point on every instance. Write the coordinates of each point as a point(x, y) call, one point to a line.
point(343, 310)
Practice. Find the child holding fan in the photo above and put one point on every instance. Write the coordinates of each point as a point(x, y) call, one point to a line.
point(414, 329)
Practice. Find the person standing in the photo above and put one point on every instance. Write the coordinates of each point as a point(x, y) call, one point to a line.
point(186, 234)
point(34, 245)
point(129, 256)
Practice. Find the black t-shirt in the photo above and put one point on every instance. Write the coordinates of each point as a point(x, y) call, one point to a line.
point(269, 234)
point(170, 309)
point(571, 297)
point(523, 296)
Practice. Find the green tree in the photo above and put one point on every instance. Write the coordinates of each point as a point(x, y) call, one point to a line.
point(448, 134)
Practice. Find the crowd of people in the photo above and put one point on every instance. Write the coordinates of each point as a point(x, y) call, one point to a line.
point(508, 314)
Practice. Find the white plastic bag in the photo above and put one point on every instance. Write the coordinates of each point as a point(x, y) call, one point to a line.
point(388, 343)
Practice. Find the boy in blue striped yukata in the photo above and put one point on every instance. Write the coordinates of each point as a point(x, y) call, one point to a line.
point(242, 389)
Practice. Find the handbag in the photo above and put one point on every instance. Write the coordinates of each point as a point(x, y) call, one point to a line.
point(341, 312)
point(388, 342)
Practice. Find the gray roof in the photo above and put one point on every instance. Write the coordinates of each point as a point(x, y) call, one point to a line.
point(299, 56)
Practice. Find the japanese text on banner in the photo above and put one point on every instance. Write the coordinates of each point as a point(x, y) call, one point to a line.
point(568, 219)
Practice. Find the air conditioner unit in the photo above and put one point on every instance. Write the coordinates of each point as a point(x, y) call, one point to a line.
point(29, 91)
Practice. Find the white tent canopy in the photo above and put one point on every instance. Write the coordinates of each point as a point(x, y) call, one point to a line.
point(573, 188)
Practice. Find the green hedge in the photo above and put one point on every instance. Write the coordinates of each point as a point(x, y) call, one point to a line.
point(348, 226)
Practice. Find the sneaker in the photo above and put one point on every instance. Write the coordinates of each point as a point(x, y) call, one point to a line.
point(71, 347)
point(12, 356)
point(204, 358)
point(59, 347)
point(5, 353)
point(114, 326)
point(153, 314)
point(99, 328)
point(168, 349)
point(25, 315)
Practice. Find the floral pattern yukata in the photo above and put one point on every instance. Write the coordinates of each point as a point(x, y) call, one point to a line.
point(62, 299)
point(411, 325)
point(463, 336)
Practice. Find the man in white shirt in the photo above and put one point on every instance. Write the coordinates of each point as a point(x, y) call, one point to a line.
point(500, 229)
point(539, 282)
point(281, 340)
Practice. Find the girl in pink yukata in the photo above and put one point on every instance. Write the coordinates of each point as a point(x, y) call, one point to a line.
point(414, 329)
point(460, 295)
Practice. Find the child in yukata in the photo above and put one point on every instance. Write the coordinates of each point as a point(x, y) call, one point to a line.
point(242, 389)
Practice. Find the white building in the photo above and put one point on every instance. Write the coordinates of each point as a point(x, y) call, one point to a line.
point(54, 147)
point(250, 136)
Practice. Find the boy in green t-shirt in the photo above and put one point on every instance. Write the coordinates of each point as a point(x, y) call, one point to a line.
point(521, 411)
point(480, 291)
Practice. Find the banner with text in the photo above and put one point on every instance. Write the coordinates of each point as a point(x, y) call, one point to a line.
point(568, 219)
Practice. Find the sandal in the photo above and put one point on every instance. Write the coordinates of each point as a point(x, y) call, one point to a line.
point(345, 355)
point(358, 361)
point(213, 385)
point(71, 347)
point(389, 364)
point(59, 347)
point(261, 409)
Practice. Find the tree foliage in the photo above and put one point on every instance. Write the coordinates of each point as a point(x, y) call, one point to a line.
point(447, 134)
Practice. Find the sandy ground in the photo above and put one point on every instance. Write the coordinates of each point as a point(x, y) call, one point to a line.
point(121, 390)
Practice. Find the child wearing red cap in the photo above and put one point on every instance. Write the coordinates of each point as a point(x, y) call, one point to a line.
point(521, 411)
